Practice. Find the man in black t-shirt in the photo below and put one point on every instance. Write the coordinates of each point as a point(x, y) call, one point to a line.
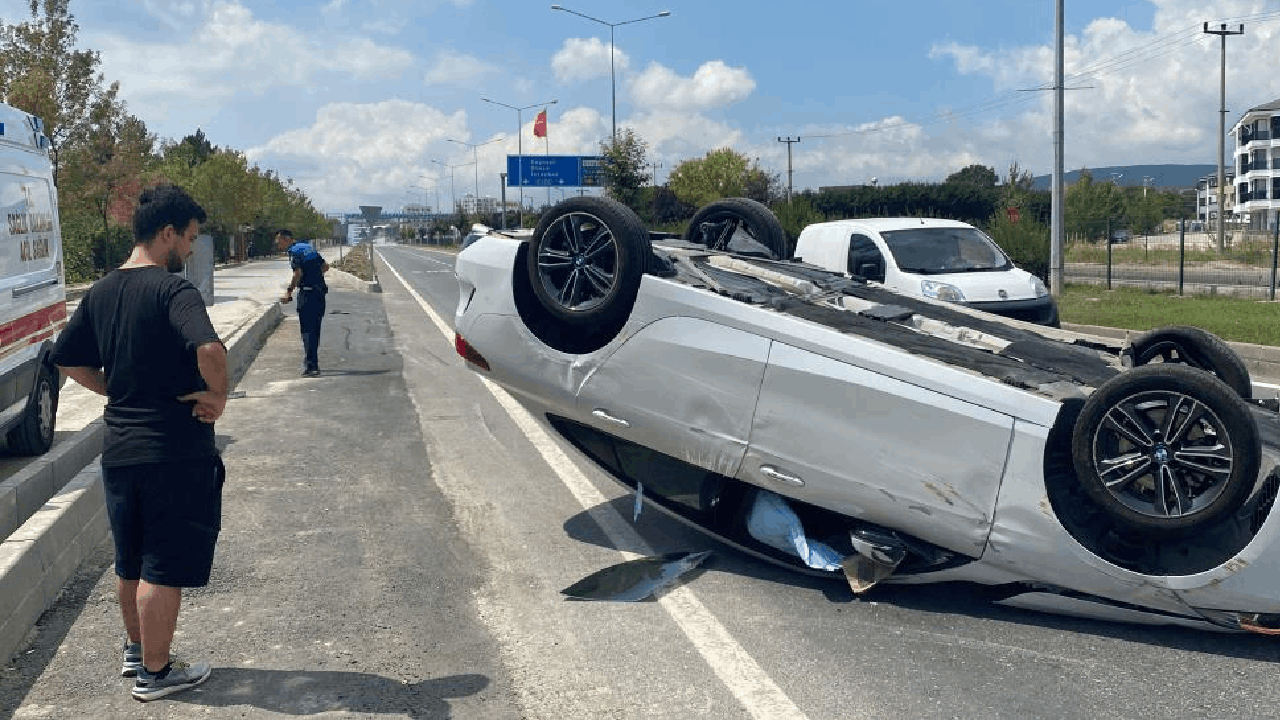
point(142, 337)
point(309, 267)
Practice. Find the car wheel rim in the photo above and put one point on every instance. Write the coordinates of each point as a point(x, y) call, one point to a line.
point(1163, 454)
point(46, 410)
point(578, 261)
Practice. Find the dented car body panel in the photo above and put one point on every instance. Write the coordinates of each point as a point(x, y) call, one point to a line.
point(944, 427)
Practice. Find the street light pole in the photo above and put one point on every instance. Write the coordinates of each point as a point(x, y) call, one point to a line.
point(519, 146)
point(453, 195)
point(613, 83)
point(435, 183)
point(475, 153)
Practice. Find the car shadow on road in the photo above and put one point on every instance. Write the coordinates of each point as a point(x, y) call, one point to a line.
point(314, 692)
point(665, 534)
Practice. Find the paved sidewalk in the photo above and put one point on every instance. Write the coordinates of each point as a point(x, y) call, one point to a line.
point(242, 295)
point(51, 510)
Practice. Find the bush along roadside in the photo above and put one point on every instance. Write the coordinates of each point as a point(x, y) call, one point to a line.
point(355, 260)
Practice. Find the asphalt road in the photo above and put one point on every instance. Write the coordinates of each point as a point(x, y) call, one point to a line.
point(396, 534)
point(745, 639)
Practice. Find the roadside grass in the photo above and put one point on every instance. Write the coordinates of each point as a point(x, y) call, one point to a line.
point(1233, 319)
point(1252, 253)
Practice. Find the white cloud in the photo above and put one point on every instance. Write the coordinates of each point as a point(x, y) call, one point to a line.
point(451, 68)
point(359, 151)
point(1140, 97)
point(385, 27)
point(236, 52)
point(713, 85)
point(579, 60)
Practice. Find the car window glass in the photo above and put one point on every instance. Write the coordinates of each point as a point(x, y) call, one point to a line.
point(928, 250)
point(862, 252)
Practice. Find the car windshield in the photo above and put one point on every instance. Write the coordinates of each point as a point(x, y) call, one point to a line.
point(937, 250)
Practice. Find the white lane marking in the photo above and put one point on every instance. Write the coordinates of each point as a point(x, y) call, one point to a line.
point(426, 256)
point(742, 675)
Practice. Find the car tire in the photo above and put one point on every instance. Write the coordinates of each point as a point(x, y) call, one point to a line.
point(586, 259)
point(718, 222)
point(1165, 451)
point(1197, 348)
point(34, 433)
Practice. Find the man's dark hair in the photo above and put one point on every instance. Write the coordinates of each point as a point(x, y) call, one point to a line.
point(164, 205)
point(285, 232)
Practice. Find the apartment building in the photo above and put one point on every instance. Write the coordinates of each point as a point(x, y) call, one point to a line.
point(1207, 199)
point(1257, 156)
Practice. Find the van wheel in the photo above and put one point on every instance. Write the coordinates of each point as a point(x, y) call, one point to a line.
point(34, 434)
point(587, 257)
point(1166, 450)
point(738, 225)
point(1197, 348)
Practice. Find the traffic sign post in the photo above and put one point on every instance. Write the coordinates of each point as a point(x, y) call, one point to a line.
point(554, 170)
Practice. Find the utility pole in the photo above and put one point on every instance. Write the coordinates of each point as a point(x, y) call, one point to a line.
point(654, 177)
point(1222, 32)
point(1057, 229)
point(788, 140)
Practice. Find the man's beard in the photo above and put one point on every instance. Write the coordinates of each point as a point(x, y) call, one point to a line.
point(174, 262)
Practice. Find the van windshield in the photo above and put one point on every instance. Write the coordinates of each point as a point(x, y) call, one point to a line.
point(938, 250)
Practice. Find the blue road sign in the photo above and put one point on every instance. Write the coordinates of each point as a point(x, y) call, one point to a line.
point(553, 170)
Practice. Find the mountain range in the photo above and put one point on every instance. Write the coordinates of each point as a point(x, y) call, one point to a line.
point(1173, 177)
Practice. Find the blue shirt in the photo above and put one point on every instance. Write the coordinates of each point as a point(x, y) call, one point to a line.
point(303, 255)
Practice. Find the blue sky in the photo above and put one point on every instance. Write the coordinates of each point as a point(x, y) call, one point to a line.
point(357, 100)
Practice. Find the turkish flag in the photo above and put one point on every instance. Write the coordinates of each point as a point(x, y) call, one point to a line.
point(540, 125)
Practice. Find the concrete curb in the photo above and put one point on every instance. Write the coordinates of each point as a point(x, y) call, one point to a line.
point(28, 490)
point(1263, 361)
point(39, 557)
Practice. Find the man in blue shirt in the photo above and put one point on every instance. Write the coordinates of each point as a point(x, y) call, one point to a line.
point(309, 268)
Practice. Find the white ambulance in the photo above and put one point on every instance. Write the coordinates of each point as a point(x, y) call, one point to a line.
point(33, 304)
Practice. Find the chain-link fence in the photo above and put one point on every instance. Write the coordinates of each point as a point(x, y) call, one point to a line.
point(1189, 263)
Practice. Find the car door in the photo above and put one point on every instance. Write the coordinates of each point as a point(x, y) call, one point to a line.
point(878, 448)
point(683, 386)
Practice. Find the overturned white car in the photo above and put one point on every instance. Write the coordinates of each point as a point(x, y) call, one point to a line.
point(898, 439)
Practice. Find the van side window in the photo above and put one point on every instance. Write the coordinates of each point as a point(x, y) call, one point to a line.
point(865, 259)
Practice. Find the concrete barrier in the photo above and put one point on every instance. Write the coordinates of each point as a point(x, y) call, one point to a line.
point(40, 555)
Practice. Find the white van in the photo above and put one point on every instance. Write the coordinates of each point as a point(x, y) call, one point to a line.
point(33, 304)
point(940, 259)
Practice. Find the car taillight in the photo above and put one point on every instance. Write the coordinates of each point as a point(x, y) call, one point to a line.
point(469, 353)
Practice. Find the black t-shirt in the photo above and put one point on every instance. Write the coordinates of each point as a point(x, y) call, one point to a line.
point(142, 326)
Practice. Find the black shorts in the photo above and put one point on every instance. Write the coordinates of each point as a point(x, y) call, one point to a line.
point(165, 519)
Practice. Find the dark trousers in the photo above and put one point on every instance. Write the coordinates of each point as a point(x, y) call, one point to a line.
point(310, 313)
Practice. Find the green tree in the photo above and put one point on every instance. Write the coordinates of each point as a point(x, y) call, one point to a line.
point(194, 149)
point(978, 175)
point(719, 174)
point(1144, 210)
point(1091, 207)
point(795, 216)
point(625, 166)
point(42, 73)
